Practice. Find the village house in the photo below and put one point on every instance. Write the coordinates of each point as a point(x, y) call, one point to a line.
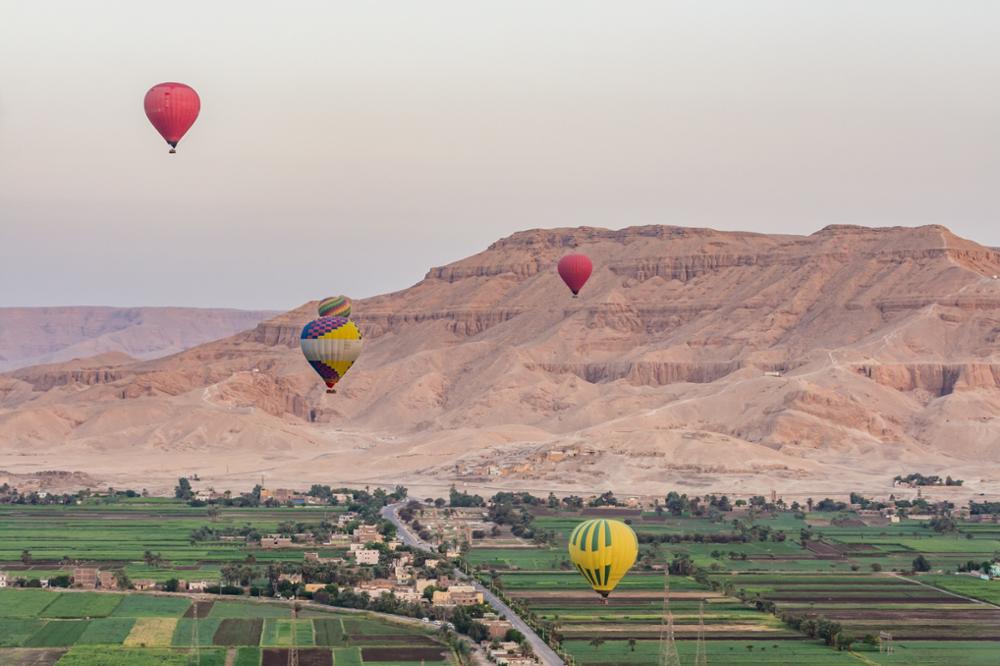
point(198, 585)
point(375, 588)
point(314, 587)
point(422, 584)
point(275, 541)
point(144, 584)
point(498, 628)
point(465, 595)
point(107, 580)
point(344, 518)
point(3, 579)
point(338, 540)
point(85, 577)
point(367, 534)
point(366, 556)
point(292, 578)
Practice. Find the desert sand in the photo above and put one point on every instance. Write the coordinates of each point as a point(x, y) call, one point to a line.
point(694, 359)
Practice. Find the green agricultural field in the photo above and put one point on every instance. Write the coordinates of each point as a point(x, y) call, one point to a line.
point(91, 656)
point(185, 631)
point(147, 605)
point(238, 632)
point(347, 657)
point(372, 627)
point(15, 631)
point(123, 531)
point(987, 590)
point(107, 631)
point(82, 604)
point(329, 631)
point(24, 603)
point(247, 656)
point(719, 653)
point(286, 633)
point(58, 633)
point(248, 609)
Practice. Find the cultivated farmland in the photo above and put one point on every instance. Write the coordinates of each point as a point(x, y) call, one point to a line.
point(151, 630)
point(755, 569)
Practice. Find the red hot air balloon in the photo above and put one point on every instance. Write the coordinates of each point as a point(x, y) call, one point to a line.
point(575, 270)
point(172, 108)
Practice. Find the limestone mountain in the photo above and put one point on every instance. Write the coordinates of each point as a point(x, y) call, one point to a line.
point(693, 358)
point(30, 336)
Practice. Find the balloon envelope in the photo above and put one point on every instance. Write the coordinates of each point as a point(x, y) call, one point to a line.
point(331, 345)
point(172, 108)
point(335, 306)
point(603, 551)
point(575, 270)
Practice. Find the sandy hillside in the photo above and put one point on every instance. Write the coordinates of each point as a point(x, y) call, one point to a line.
point(694, 358)
point(31, 336)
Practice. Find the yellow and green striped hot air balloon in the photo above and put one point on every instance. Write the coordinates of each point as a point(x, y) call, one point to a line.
point(603, 551)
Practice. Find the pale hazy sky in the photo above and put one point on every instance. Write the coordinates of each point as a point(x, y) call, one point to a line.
point(349, 146)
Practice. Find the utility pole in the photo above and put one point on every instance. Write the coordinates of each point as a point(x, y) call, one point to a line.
point(668, 649)
point(197, 647)
point(700, 657)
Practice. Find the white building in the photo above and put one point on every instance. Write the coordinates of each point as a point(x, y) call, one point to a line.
point(3, 579)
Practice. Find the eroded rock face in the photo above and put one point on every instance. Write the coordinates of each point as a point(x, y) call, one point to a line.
point(685, 346)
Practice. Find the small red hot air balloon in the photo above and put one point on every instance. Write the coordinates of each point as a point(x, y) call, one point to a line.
point(575, 270)
point(172, 108)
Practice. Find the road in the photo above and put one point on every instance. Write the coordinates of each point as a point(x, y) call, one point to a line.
point(541, 648)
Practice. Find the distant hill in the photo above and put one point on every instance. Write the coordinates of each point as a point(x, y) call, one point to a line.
point(30, 336)
point(694, 359)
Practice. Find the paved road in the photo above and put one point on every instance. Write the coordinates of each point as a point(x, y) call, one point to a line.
point(542, 650)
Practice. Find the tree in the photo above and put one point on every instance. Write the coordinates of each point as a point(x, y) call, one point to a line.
point(596, 643)
point(876, 566)
point(921, 563)
point(122, 580)
point(631, 645)
point(25, 556)
point(171, 585)
point(183, 489)
point(213, 513)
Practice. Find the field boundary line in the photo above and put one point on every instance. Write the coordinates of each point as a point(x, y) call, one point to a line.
point(974, 600)
point(863, 659)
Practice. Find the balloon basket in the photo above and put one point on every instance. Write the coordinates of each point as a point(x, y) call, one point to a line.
point(331, 390)
point(172, 151)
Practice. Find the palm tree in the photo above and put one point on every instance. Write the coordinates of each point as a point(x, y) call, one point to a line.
point(631, 645)
point(596, 643)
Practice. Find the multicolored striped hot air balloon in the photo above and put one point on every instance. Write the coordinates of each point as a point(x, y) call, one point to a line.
point(603, 551)
point(335, 306)
point(331, 345)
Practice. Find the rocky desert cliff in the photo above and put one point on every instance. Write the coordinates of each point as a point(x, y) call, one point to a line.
point(30, 336)
point(693, 358)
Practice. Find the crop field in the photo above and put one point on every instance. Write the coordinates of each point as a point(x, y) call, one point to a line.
point(24, 603)
point(107, 631)
point(91, 656)
point(147, 605)
point(82, 604)
point(15, 631)
point(329, 631)
point(121, 532)
point(238, 632)
point(148, 629)
point(248, 609)
point(151, 632)
point(184, 634)
point(851, 574)
point(286, 633)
